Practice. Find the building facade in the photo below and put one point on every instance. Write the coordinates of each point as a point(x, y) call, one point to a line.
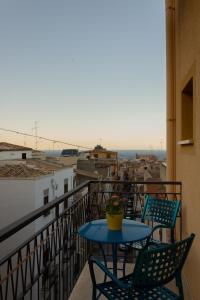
point(11, 152)
point(183, 122)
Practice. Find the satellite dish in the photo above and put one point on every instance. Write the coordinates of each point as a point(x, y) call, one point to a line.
point(54, 184)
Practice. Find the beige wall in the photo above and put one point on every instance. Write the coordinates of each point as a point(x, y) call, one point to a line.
point(104, 154)
point(187, 45)
point(68, 161)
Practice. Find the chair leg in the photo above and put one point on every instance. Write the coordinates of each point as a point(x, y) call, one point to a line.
point(93, 280)
point(179, 286)
point(172, 236)
point(124, 264)
point(94, 292)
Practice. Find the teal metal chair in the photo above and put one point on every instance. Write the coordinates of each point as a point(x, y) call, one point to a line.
point(163, 213)
point(154, 268)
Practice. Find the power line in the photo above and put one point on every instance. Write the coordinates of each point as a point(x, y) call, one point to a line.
point(45, 139)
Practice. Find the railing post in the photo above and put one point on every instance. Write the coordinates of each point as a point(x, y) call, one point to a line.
point(57, 211)
point(89, 201)
point(88, 247)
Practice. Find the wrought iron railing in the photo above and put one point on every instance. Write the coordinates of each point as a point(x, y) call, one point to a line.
point(47, 264)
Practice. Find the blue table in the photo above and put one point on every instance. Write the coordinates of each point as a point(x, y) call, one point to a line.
point(97, 231)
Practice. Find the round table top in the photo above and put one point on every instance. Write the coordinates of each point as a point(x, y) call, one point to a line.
point(98, 231)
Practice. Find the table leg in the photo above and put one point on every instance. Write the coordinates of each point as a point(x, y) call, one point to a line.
point(104, 258)
point(114, 254)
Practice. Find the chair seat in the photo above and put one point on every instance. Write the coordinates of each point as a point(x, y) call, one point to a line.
point(138, 245)
point(152, 243)
point(113, 292)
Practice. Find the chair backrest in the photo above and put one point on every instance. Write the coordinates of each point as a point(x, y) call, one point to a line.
point(159, 266)
point(161, 211)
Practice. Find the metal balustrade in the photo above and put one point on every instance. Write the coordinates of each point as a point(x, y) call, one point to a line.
point(47, 263)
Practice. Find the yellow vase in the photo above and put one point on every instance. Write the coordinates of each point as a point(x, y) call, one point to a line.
point(114, 221)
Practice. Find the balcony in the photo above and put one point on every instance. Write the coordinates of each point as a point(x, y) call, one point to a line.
point(48, 263)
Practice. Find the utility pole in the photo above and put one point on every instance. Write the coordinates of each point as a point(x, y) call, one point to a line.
point(36, 134)
point(24, 141)
point(54, 144)
point(161, 144)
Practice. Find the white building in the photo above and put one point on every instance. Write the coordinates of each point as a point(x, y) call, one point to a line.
point(163, 170)
point(10, 152)
point(27, 186)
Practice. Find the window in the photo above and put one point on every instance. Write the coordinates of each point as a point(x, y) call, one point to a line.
point(23, 155)
point(65, 185)
point(46, 200)
point(65, 191)
point(187, 113)
point(108, 155)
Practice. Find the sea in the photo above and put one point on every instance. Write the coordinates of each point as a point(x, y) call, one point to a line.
point(122, 154)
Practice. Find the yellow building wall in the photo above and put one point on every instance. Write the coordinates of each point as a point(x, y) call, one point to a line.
point(105, 154)
point(187, 65)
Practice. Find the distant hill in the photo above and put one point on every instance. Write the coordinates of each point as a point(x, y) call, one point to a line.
point(122, 154)
point(131, 154)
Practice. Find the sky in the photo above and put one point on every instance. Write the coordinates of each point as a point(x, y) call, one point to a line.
point(87, 71)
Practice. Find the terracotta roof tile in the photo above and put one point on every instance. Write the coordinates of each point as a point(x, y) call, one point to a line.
point(47, 165)
point(21, 171)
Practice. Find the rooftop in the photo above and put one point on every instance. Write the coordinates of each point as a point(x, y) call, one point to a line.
point(48, 165)
point(86, 173)
point(21, 171)
point(11, 147)
point(29, 168)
